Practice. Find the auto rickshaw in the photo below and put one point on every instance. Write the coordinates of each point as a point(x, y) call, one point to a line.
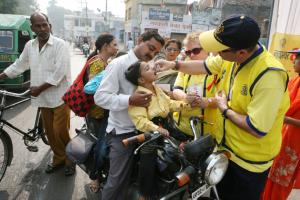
point(15, 32)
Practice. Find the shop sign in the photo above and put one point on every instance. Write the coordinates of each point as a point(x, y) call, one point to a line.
point(159, 14)
point(178, 17)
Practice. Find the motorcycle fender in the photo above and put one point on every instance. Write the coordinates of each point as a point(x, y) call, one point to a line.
point(8, 141)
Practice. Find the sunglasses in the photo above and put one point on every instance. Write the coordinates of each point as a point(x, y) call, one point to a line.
point(195, 51)
point(169, 49)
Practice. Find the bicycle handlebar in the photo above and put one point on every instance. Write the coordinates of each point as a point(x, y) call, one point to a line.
point(13, 94)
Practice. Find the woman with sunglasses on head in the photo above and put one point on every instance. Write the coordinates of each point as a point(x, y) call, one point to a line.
point(187, 87)
point(171, 50)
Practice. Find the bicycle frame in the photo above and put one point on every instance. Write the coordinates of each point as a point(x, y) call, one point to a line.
point(4, 122)
point(29, 137)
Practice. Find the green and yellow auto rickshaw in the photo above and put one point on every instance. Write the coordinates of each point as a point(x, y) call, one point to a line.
point(15, 32)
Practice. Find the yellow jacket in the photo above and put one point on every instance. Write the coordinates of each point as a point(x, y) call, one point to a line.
point(209, 83)
point(257, 89)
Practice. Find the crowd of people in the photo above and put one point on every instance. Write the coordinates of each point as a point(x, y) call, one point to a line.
point(224, 76)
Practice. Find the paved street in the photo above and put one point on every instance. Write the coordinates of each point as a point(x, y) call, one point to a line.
point(25, 178)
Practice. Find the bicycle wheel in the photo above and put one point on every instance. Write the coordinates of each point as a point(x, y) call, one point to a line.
point(41, 130)
point(4, 155)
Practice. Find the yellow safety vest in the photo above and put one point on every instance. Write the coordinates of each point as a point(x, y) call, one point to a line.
point(209, 84)
point(249, 152)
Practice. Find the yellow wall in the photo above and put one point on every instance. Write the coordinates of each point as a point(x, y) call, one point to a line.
point(281, 44)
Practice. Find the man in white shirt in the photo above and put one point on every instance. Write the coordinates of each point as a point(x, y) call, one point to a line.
point(116, 94)
point(48, 59)
point(130, 44)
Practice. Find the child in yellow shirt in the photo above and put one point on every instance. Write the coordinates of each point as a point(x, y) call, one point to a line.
point(143, 75)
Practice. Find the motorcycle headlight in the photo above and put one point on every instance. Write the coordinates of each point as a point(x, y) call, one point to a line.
point(216, 166)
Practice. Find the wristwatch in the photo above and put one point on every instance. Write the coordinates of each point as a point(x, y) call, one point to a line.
point(176, 67)
point(224, 113)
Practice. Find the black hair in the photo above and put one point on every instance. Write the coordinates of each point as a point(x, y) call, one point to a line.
point(177, 42)
point(133, 73)
point(36, 14)
point(249, 49)
point(148, 35)
point(103, 39)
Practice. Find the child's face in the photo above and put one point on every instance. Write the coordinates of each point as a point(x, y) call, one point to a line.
point(148, 72)
point(297, 64)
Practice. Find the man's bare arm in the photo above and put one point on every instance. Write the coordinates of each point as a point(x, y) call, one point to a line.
point(238, 119)
point(193, 67)
point(37, 90)
point(292, 121)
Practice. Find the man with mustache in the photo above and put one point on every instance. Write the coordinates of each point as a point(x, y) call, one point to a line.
point(48, 59)
point(115, 94)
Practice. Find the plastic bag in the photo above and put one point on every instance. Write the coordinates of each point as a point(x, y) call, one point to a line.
point(93, 84)
point(79, 147)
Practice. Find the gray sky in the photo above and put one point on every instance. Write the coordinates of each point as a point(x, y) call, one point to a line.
point(117, 7)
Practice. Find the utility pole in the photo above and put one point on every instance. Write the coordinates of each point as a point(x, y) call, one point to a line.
point(106, 16)
point(86, 15)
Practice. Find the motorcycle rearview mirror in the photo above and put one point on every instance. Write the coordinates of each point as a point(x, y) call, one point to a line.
point(194, 121)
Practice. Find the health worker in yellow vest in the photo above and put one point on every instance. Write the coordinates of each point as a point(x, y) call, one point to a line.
point(252, 102)
point(203, 85)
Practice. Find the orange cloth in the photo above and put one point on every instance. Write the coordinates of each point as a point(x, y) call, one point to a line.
point(285, 172)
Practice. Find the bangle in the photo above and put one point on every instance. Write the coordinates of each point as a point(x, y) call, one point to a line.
point(177, 65)
point(224, 113)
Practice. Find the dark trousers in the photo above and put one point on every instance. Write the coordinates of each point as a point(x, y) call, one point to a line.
point(121, 159)
point(147, 175)
point(241, 184)
point(100, 150)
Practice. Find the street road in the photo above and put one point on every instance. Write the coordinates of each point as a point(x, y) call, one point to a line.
point(25, 178)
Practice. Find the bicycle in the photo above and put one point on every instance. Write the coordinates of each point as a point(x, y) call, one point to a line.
point(30, 137)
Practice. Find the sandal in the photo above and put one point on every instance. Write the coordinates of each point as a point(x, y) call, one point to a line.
point(94, 186)
point(70, 170)
point(52, 168)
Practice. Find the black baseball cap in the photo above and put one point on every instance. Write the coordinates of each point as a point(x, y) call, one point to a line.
point(237, 32)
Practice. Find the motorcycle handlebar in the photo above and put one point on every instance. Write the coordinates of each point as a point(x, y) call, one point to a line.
point(135, 139)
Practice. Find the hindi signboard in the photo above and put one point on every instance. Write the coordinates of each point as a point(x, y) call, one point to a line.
point(159, 14)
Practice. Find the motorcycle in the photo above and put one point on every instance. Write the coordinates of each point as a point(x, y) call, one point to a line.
point(86, 50)
point(185, 173)
point(190, 172)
